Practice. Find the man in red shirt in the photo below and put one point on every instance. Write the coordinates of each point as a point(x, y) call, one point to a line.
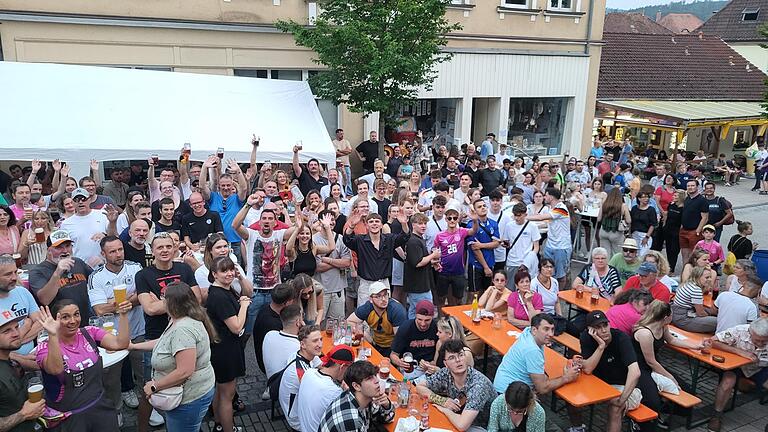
point(607, 165)
point(647, 277)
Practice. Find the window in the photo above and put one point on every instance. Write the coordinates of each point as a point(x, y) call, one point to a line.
point(252, 73)
point(537, 125)
point(562, 5)
point(514, 3)
point(749, 14)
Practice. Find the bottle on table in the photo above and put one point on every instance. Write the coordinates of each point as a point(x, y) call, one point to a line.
point(475, 310)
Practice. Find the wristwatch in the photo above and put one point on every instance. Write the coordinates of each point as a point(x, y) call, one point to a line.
point(153, 388)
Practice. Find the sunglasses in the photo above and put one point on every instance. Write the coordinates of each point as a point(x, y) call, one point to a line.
point(629, 250)
point(451, 218)
point(79, 198)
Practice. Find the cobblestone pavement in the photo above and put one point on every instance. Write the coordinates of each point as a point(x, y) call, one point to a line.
point(749, 415)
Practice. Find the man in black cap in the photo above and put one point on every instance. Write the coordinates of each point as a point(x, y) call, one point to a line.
point(319, 387)
point(609, 355)
point(17, 414)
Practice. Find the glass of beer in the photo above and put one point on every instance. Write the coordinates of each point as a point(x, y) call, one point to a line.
point(330, 326)
point(39, 235)
point(155, 159)
point(108, 322)
point(35, 390)
point(187, 151)
point(120, 293)
point(17, 258)
point(408, 359)
point(220, 153)
point(384, 365)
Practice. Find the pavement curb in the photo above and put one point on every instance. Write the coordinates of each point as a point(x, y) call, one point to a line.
point(748, 206)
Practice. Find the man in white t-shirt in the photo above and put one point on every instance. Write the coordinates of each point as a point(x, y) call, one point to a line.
point(496, 212)
point(310, 348)
point(279, 346)
point(736, 308)
point(437, 222)
point(558, 246)
point(319, 386)
point(264, 251)
point(87, 227)
point(522, 238)
point(362, 194)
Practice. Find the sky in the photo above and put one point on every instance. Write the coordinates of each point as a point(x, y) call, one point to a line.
point(631, 4)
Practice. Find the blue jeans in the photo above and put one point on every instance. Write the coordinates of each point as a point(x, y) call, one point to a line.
point(189, 416)
point(235, 248)
point(258, 300)
point(414, 298)
point(348, 187)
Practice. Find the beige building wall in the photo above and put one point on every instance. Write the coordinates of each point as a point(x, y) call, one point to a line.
point(217, 37)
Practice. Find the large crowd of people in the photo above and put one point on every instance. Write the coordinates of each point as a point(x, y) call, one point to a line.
point(183, 264)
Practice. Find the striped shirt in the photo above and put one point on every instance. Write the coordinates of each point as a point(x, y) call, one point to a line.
point(687, 295)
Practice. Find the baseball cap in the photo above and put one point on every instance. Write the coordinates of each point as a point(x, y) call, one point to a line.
point(646, 268)
point(425, 307)
point(709, 227)
point(378, 287)
point(7, 315)
point(80, 192)
point(629, 243)
point(340, 354)
point(58, 237)
point(596, 318)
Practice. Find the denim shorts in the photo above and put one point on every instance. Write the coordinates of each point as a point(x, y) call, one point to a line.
point(189, 416)
point(562, 259)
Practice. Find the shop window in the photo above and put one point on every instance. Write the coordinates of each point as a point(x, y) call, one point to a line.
point(537, 125)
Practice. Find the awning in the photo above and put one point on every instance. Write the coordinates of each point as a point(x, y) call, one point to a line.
point(693, 111)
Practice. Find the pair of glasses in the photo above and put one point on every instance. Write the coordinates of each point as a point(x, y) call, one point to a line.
point(629, 250)
point(451, 218)
point(520, 412)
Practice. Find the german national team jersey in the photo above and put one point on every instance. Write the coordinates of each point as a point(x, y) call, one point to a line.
point(451, 246)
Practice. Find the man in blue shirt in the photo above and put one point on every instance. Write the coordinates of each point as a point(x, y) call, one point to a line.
point(481, 257)
point(228, 200)
point(486, 148)
point(525, 360)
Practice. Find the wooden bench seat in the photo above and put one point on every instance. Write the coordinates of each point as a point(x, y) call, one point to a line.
point(642, 414)
point(684, 399)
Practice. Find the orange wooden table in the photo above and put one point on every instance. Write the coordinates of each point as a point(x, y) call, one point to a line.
point(584, 303)
point(436, 418)
point(585, 391)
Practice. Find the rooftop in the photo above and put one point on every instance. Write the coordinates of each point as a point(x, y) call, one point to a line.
point(680, 22)
point(739, 20)
point(632, 23)
point(675, 67)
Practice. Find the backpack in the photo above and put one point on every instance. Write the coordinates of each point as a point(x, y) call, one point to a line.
point(728, 219)
point(273, 382)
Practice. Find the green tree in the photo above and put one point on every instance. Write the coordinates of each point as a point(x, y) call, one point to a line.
point(376, 53)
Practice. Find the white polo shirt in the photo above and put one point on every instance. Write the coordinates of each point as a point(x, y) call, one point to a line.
point(279, 348)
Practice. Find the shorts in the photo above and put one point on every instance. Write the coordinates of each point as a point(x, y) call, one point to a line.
point(688, 239)
point(457, 284)
point(477, 281)
point(759, 378)
point(562, 259)
point(333, 303)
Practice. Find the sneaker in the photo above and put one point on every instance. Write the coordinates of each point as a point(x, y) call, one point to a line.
point(120, 420)
point(662, 422)
point(155, 419)
point(582, 428)
point(634, 426)
point(218, 428)
point(130, 399)
point(715, 423)
point(265, 395)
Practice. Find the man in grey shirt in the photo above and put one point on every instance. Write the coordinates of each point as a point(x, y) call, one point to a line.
point(332, 272)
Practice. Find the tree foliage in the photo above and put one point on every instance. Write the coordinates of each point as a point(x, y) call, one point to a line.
point(703, 9)
point(375, 53)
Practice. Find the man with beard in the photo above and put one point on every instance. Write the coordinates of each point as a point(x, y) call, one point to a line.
point(21, 304)
point(309, 178)
point(87, 227)
point(17, 414)
point(136, 248)
point(61, 276)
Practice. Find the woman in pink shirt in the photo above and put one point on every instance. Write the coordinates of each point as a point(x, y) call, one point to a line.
point(523, 304)
point(9, 233)
point(629, 306)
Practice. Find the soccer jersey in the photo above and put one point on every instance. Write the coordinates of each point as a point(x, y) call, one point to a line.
point(451, 246)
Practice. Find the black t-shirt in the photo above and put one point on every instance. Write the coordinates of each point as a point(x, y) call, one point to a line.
point(13, 394)
point(266, 321)
point(692, 210)
point(419, 343)
point(174, 226)
point(674, 215)
point(307, 182)
point(417, 279)
point(617, 357)
point(717, 207)
point(198, 228)
point(490, 179)
point(642, 220)
point(740, 246)
point(371, 152)
point(152, 280)
point(383, 207)
point(221, 305)
point(139, 256)
point(341, 220)
point(75, 287)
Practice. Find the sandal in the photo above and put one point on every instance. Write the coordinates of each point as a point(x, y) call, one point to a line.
point(237, 404)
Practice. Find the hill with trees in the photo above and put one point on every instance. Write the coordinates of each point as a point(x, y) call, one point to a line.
point(702, 9)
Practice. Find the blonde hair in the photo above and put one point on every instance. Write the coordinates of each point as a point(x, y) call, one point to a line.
point(655, 312)
point(661, 261)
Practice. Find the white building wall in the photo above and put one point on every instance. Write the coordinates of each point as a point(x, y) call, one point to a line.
point(753, 52)
point(468, 76)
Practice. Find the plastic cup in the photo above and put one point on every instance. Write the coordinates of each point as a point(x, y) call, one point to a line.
point(120, 294)
point(17, 258)
point(35, 390)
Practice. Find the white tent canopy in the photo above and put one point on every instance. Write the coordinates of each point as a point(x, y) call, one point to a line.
point(77, 113)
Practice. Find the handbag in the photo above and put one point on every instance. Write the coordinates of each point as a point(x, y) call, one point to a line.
point(167, 399)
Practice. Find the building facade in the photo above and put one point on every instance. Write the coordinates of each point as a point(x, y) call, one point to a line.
point(523, 69)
